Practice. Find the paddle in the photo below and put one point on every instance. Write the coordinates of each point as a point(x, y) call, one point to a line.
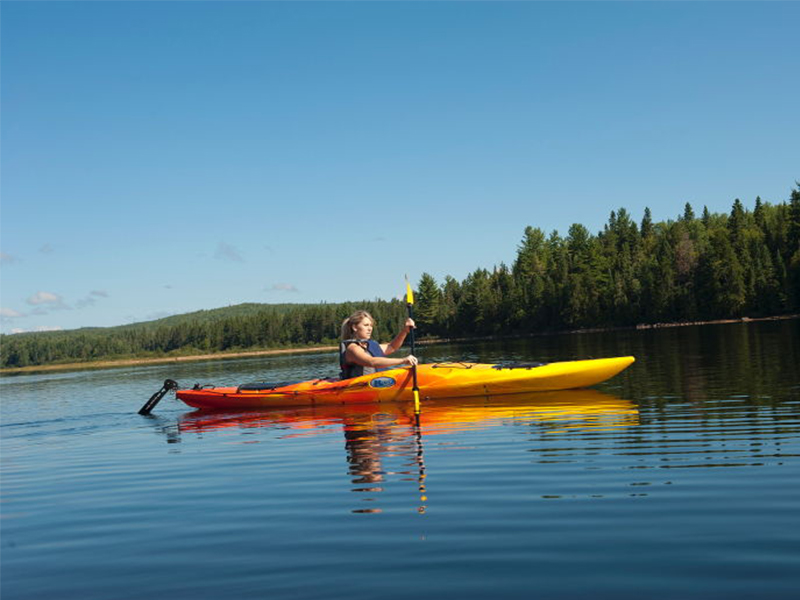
point(168, 386)
point(410, 305)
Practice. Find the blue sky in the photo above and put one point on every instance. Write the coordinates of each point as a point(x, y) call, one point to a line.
point(164, 157)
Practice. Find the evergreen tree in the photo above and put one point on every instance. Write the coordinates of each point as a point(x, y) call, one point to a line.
point(688, 213)
point(736, 225)
point(428, 307)
point(758, 214)
point(725, 277)
point(529, 275)
point(647, 224)
point(794, 221)
point(451, 298)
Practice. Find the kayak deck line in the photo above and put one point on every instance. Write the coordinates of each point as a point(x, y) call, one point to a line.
point(436, 380)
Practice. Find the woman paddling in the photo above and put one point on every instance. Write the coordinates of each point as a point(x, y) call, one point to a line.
point(359, 354)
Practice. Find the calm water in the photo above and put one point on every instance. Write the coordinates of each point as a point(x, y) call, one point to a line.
point(679, 478)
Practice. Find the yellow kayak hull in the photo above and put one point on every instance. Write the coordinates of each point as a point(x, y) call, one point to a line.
point(438, 380)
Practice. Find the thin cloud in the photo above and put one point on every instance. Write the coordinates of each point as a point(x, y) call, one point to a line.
point(7, 259)
point(48, 300)
point(283, 287)
point(44, 298)
point(227, 252)
point(91, 298)
point(46, 249)
point(10, 313)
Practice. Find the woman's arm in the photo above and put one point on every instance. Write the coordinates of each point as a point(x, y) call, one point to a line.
point(355, 354)
point(397, 342)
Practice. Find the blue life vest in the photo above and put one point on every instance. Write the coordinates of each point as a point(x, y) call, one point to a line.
point(351, 370)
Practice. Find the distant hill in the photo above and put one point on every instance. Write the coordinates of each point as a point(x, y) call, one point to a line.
point(245, 309)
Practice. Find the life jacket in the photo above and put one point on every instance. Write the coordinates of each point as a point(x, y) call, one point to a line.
point(351, 370)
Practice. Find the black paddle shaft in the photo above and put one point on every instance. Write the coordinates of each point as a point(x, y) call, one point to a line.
point(169, 385)
point(413, 344)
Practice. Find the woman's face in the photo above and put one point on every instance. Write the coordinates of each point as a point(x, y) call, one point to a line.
point(363, 329)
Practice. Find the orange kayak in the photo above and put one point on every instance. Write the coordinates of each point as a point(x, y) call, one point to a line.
point(437, 380)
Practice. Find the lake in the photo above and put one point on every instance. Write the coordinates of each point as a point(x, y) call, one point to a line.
point(679, 478)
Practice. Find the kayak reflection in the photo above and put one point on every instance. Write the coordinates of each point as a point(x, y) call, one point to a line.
point(377, 434)
point(568, 408)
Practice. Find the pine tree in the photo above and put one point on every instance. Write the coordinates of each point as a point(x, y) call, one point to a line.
point(706, 218)
point(529, 275)
point(794, 220)
point(758, 214)
point(647, 224)
point(451, 298)
point(688, 213)
point(736, 225)
point(428, 305)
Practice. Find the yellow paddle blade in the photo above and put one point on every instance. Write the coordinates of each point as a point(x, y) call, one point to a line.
point(409, 293)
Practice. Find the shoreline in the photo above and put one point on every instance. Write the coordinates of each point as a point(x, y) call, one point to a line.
point(129, 362)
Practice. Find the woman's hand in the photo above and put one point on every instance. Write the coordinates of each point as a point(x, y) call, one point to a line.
point(410, 324)
point(411, 360)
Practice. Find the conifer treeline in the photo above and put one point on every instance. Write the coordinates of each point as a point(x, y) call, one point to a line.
point(746, 263)
point(717, 266)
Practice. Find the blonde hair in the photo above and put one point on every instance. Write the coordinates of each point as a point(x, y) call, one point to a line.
point(352, 320)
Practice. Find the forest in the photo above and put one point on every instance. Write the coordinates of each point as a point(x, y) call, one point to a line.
point(745, 263)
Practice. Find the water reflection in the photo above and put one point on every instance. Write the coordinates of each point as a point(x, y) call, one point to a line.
point(376, 436)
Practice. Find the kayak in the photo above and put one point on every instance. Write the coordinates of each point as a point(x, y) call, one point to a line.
point(436, 380)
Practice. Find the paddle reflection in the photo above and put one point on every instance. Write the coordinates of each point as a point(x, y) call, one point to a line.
point(378, 435)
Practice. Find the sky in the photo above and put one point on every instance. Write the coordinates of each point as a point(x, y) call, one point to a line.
point(164, 157)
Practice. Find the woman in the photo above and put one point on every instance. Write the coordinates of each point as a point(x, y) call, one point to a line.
point(359, 354)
